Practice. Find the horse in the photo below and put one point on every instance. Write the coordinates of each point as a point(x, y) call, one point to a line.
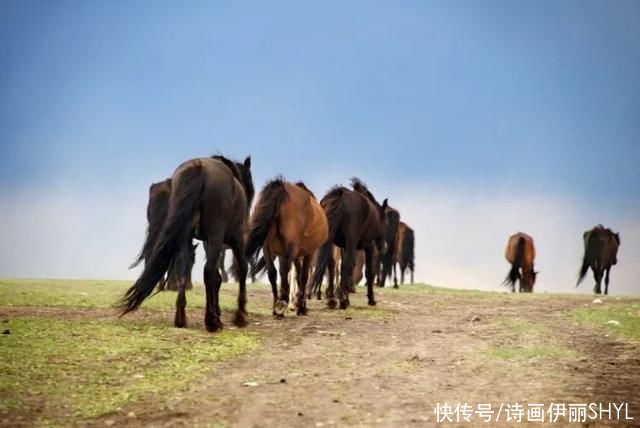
point(391, 221)
point(287, 222)
point(521, 253)
point(405, 251)
point(356, 222)
point(157, 207)
point(210, 200)
point(600, 253)
point(356, 277)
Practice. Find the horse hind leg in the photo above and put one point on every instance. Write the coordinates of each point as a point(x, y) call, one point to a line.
point(280, 307)
point(370, 273)
point(180, 319)
point(212, 281)
point(238, 247)
point(304, 278)
point(606, 280)
point(295, 286)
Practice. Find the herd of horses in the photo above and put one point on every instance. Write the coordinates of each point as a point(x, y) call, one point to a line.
point(600, 254)
point(346, 232)
point(209, 199)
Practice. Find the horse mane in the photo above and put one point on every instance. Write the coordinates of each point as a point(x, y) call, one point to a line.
point(359, 186)
point(233, 166)
point(303, 186)
point(237, 172)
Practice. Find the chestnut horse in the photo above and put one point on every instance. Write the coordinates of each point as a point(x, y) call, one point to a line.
point(210, 199)
point(405, 252)
point(287, 222)
point(521, 253)
point(356, 222)
point(600, 253)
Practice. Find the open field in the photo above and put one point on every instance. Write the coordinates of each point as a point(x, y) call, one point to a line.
point(66, 358)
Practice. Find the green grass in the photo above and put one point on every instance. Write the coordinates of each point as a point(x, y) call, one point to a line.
point(96, 294)
point(519, 353)
point(525, 340)
point(90, 368)
point(627, 314)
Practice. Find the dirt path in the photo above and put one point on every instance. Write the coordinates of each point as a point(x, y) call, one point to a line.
point(390, 366)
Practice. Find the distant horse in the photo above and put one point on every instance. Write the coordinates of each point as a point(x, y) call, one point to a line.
point(391, 222)
point(405, 252)
point(287, 222)
point(600, 253)
point(356, 221)
point(521, 253)
point(210, 199)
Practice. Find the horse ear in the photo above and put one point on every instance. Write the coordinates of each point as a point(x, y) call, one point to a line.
point(384, 204)
point(247, 163)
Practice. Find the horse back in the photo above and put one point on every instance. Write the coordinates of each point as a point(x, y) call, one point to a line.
point(529, 250)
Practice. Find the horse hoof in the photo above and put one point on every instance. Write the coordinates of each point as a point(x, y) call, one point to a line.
point(395, 286)
point(240, 319)
point(302, 311)
point(332, 303)
point(372, 302)
point(344, 304)
point(280, 307)
point(212, 328)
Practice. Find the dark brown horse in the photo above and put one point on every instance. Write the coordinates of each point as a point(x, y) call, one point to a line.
point(405, 252)
point(179, 273)
point(600, 253)
point(210, 199)
point(288, 222)
point(521, 253)
point(356, 222)
point(391, 222)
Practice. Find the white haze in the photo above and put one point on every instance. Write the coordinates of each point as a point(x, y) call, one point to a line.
point(460, 236)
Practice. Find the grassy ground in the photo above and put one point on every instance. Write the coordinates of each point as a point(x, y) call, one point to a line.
point(68, 357)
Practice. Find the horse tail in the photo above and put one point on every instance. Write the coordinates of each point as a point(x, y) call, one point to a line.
point(592, 250)
point(157, 209)
point(333, 209)
point(175, 234)
point(265, 214)
point(259, 268)
point(514, 273)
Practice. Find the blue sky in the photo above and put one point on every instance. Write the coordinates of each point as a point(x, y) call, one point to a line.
point(539, 97)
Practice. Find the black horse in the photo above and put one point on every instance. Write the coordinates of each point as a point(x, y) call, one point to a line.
point(391, 223)
point(356, 222)
point(600, 253)
point(210, 200)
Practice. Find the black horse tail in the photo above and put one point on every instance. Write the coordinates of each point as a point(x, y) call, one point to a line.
point(265, 214)
point(514, 273)
point(174, 236)
point(157, 209)
point(259, 268)
point(333, 210)
point(408, 247)
point(592, 251)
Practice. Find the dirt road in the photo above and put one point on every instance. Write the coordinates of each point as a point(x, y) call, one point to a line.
point(391, 365)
